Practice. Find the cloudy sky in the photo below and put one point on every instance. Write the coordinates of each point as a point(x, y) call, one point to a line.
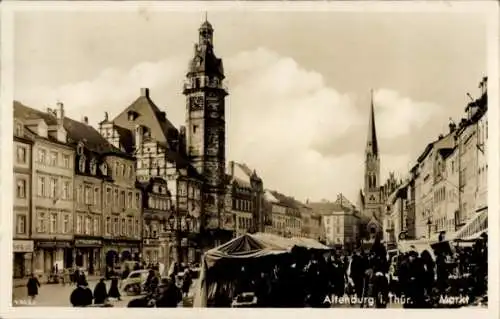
point(299, 81)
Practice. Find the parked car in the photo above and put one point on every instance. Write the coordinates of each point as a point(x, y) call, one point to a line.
point(134, 283)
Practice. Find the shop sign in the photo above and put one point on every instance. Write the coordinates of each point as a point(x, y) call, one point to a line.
point(88, 242)
point(23, 246)
point(54, 244)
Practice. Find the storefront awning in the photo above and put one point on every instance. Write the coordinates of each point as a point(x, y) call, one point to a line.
point(474, 227)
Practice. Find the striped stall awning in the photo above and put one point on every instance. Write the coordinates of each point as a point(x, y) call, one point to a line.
point(473, 229)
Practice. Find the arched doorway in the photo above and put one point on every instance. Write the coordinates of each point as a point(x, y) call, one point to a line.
point(111, 258)
point(126, 256)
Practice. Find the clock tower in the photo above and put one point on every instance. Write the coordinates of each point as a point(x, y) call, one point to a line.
point(373, 205)
point(205, 123)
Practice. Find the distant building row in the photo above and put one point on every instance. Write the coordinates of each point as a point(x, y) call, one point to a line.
point(445, 194)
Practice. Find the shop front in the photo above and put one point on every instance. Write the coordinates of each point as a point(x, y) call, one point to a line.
point(52, 256)
point(117, 252)
point(151, 251)
point(22, 258)
point(87, 254)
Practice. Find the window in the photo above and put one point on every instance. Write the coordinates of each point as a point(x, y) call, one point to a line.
point(122, 199)
point(115, 226)
point(88, 195)
point(21, 188)
point(108, 196)
point(115, 202)
point(96, 196)
point(137, 228)
point(53, 223)
point(65, 161)
point(130, 200)
point(108, 225)
point(93, 167)
point(41, 186)
point(79, 224)
point(40, 226)
point(137, 200)
point(96, 226)
point(87, 225)
point(53, 188)
point(66, 224)
point(42, 154)
point(130, 227)
point(21, 224)
point(53, 158)
point(81, 164)
point(124, 229)
point(66, 190)
point(19, 129)
point(21, 155)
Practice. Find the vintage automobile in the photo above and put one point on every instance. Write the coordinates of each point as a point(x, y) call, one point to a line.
point(134, 283)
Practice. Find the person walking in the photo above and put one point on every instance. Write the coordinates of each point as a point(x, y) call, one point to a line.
point(114, 292)
point(100, 293)
point(32, 286)
point(81, 295)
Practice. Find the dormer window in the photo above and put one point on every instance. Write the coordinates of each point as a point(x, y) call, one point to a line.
point(19, 129)
point(104, 169)
point(81, 164)
point(93, 166)
point(79, 149)
point(132, 115)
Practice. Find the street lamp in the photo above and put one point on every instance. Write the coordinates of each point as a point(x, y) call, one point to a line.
point(429, 224)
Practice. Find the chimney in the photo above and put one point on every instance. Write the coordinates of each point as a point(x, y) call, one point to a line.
point(60, 112)
point(231, 168)
point(145, 92)
point(452, 127)
point(85, 120)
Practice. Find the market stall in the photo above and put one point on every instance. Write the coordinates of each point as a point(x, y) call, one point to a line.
point(221, 265)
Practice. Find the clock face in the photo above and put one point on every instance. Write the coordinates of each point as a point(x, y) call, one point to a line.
point(196, 103)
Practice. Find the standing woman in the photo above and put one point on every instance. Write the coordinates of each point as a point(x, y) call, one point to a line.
point(114, 292)
point(32, 286)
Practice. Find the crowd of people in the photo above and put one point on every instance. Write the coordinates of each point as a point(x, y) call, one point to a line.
point(367, 278)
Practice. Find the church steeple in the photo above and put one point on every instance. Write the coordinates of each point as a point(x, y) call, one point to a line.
point(371, 142)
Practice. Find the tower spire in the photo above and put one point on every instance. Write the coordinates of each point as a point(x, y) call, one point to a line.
point(371, 143)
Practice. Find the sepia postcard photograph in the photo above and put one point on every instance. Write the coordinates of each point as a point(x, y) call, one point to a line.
point(248, 156)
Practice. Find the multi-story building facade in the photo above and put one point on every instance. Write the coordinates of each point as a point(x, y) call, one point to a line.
point(245, 198)
point(285, 215)
point(21, 227)
point(399, 223)
point(97, 176)
point(473, 166)
point(122, 210)
point(157, 204)
point(450, 179)
point(52, 189)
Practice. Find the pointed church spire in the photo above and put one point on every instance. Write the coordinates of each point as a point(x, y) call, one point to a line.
point(371, 143)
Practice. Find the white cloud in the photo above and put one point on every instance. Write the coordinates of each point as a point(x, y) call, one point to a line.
point(276, 110)
point(398, 115)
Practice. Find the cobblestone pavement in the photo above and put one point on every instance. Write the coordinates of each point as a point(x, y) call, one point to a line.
point(56, 295)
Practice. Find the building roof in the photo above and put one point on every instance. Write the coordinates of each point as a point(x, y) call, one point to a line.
point(148, 115)
point(77, 131)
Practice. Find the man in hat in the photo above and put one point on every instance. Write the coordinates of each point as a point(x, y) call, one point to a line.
point(414, 286)
point(169, 295)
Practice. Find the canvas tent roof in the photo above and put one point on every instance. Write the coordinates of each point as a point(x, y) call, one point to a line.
point(247, 246)
point(259, 245)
